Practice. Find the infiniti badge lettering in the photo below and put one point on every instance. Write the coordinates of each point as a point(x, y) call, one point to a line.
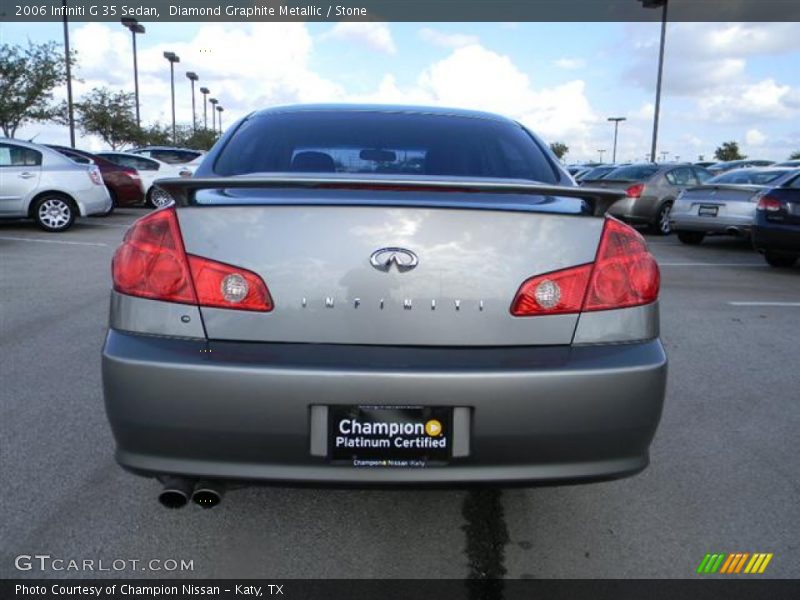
point(403, 259)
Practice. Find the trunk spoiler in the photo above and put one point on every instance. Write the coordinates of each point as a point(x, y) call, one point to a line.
point(750, 187)
point(182, 189)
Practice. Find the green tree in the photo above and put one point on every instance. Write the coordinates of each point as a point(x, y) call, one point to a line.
point(795, 155)
point(155, 134)
point(729, 151)
point(109, 115)
point(28, 77)
point(560, 149)
point(202, 139)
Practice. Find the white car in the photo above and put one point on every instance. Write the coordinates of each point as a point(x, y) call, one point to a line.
point(150, 169)
point(39, 183)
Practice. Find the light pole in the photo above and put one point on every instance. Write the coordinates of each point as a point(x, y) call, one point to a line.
point(664, 154)
point(172, 58)
point(663, 5)
point(205, 91)
point(601, 151)
point(219, 110)
point(67, 60)
point(193, 77)
point(616, 121)
point(213, 114)
point(134, 27)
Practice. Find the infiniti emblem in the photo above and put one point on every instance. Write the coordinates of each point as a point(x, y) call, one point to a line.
point(403, 259)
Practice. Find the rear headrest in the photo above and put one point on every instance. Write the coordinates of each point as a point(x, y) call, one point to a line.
point(317, 162)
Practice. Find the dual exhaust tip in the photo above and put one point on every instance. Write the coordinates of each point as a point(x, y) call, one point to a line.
point(178, 491)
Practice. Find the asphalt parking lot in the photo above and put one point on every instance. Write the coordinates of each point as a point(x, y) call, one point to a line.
point(725, 474)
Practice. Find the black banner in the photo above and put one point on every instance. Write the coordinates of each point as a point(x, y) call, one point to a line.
point(740, 587)
point(399, 10)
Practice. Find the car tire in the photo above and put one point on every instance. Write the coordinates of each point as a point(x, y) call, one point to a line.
point(780, 261)
point(158, 198)
point(691, 238)
point(661, 225)
point(54, 213)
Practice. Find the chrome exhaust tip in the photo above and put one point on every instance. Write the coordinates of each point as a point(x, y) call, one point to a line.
point(207, 494)
point(175, 493)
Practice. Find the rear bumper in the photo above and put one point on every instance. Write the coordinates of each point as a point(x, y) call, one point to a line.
point(723, 224)
point(634, 210)
point(93, 201)
point(243, 410)
point(780, 239)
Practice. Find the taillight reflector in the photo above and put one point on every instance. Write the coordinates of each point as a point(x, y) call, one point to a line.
point(769, 204)
point(152, 263)
point(635, 191)
point(624, 274)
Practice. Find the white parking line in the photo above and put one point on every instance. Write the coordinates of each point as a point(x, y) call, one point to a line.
point(710, 264)
point(793, 304)
point(23, 239)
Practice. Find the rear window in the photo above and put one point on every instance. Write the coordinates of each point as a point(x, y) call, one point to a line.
point(596, 173)
point(387, 143)
point(632, 173)
point(749, 177)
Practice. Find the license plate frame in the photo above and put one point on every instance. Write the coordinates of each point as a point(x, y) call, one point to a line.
point(707, 211)
point(376, 435)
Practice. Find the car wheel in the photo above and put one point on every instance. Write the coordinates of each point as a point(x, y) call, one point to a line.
point(54, 213)
point(692, 238)
point(780, 261)
point(158, 198)
point(661, 225)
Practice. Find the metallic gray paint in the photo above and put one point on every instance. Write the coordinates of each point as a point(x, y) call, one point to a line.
point(323, 252)
point(142, 315)
point(633, 324)
point(174, 407)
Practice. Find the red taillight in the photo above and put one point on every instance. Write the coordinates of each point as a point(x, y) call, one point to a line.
point(133, 175)
point(152, 263)
point(635, 191)
point(769, 204)
point(95, 175)
point(624, 274)
point(226, 286)
point(553, 293)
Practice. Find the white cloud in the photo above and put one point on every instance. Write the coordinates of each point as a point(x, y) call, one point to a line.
point(374, 35)
point(754, 137)
point(570, 64)
point(445, 39)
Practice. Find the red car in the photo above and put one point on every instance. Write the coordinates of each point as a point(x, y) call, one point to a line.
point(123, 183)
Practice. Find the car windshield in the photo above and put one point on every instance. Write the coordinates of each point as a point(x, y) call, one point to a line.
point(632, 173)
point(372, 142)
point(746, 176)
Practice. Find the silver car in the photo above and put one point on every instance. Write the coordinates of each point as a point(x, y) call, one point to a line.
point(39, 183)
point(725, 204)
point(381, 295)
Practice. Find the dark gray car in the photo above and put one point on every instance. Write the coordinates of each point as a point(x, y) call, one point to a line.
point(381, 295)
point(650, 190)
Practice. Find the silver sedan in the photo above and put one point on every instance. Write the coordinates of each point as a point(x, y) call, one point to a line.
point(39, 183)
point(725, 204)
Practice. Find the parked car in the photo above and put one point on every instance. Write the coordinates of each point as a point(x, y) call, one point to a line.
point(724, 167)
point(458, 317)
point(594, 174)
point(650, 190)
point(123, 183)
point(725, 204)
point(39, 183)
point(149, 170)
point(705, 163)
point(794, 164)
point(168, 154)
point(776, 231)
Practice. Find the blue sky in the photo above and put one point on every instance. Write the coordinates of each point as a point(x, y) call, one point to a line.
point(722, 81)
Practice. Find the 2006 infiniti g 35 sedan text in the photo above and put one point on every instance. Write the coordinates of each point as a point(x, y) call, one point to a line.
point(382, 295)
